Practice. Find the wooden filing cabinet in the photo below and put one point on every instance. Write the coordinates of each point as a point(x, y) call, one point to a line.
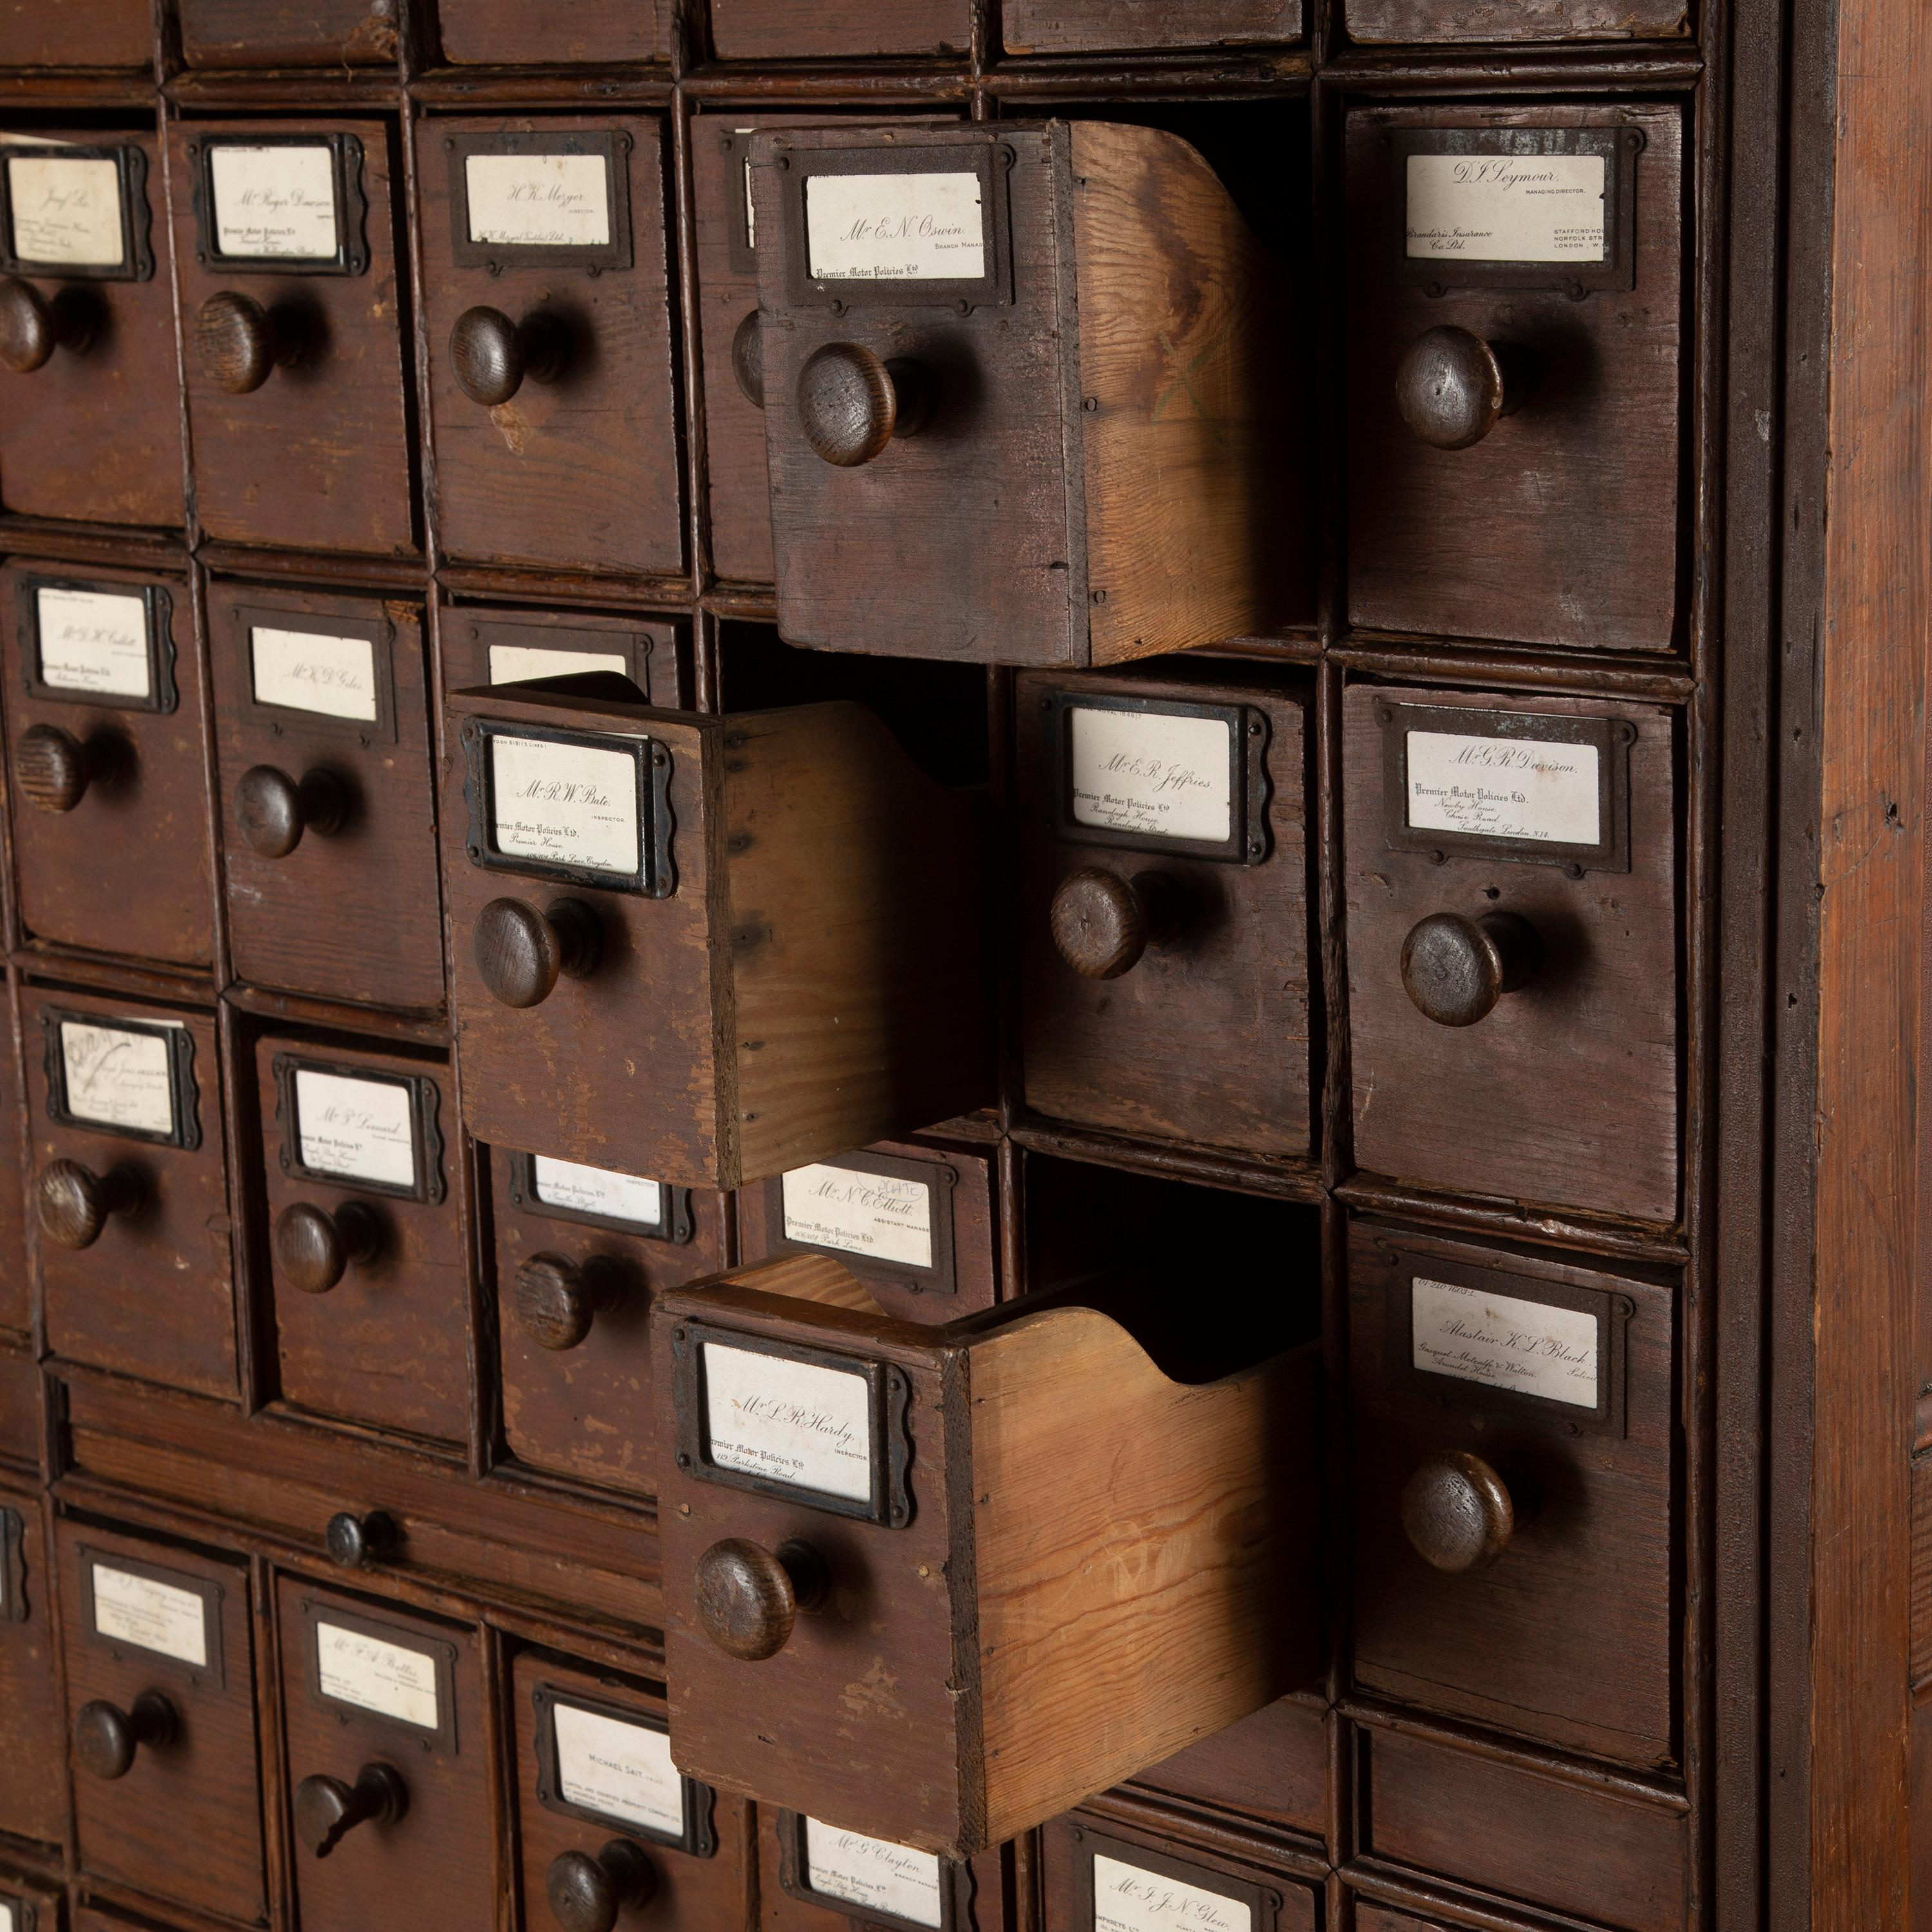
point(816, 1877)
point(489, 645)
point(264, 33)
point(494, 31)
point(1516, 20)
point(32, 1740)
point(1095, 1874)
point(1087, 26)
point(754, 30)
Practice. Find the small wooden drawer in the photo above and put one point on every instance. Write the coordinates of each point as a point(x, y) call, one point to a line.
point(297, 389)
point(603, 1817)
point(1514, 410)
point(32, 1802)
point(91, 426)
point(269, 33)
point(1273, 1766)
point(814, 1877)
point(81, 33)
point(19, 1405)
point(580, 1253)
point(705, 949)
point(1513, 1415)
point(107, 760)
point(160, 1689)
point(1166, 915)
point(328, 795)
point(361, 1235)
point(547, 307)
point(1096, 1875)
point(130, 1187)
point(537, 32)
point(388, 1759)
point(1017, 365)
point(897, 1594)
point(782, 30)
point(1512, 899)
point(1517, 20)
point(1089, 26)
point(489, 645)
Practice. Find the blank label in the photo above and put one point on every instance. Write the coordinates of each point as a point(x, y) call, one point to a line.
point(595, 1190)
point(1152, 772)
point(1501, 1342)
point(620, 1771)
point(360, 1129)
point(1506, 207)
point(1505, 788)
point(869, 1872)
point(790, 1422)
point(538, 201)
point(151, 1615)
point(882, 1217)
point(274, 204)
point(895, 228)
point(523, 664)
point(1127, 1899)
point(566, 804)
point(301, 670)
point(95, 642)
point(116, 1078)
point(369, 1672)
point(67, 211)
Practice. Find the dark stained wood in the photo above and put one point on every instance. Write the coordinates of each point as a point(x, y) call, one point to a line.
point(1069, 1845)
point(777, 30)
point(1082, 26)
point(1274, 1765)
point(518, 31)
point(74, 1204)
point(1517, 19)
point(19, 1404)
point(271, 33)
point(77, 33)
point(32, 1804)
point(16, 1292)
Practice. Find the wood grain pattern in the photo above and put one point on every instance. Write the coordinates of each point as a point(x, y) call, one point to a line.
point(77, 33)
point(32, 1804)
point(777, 30)
point(1376, 20)
point(272, 33)
point(544, 30)
point(19, 1406)
point(1273, 1765)
point(1081, 26)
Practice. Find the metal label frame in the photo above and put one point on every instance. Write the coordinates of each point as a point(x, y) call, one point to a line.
point(889, 1394)
point(676, 1225)
point(439, 1650)
point(158, 603)
point(26, 1913)
point(940, 1178)
point(379, 633)
point(1264, 1901)
point(351, 206)
point(957, 1886)
point(137, 216)
point(184, 1090)
point(699, 1838)
point(425, 1102)
point(213, 1675)
point(613, 145)
point(635, 646)
point(1612, 738)
point(13, 1566)
point(736, 146)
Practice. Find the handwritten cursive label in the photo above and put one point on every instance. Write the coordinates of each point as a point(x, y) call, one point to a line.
point(1504, 788)
point(360, 1129)
point(1151, 772)
point(302, 670)
point(882, 1215)
point(567, 805)
point(595, 1190)
point(1127, 1899)
point(1506, 207)
point(869, 1872)
point(790, 1422)
point(1496, 1340)
point(538, 201)
point(94, 640)
point(116, 1078)
point(895, 228)
point(67, 211)
point(275, 203)
point(354, 1667)
point(151, 1615)
point(621, 1771)
point(523, 664)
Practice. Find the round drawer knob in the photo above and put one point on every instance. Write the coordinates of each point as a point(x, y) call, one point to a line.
point(1456, 969)
point(586, 1894)
point(1101, 923)
point(851, 404)
point(493, 357)
point(748, 1597)
point(1457, 1513)
point(555, 1301)
point(272, 810)
point(521, 951)
point(356, 1541)
point(105, 1737)
point(325, 1808)
point(53, 769)
point(1454, 387)
point(315, 1249)
point(238, 342)
point(748, 359)
point(28, 336)
point(75, 1202)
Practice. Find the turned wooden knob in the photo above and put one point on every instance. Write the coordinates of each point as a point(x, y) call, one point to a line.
point(851, 404)
point(75, 1202)
point(273, 810)
point(105, 1737)
point(1454, 387)
point(1457, 1512)
point(356, 1541)
point(53, 769)
point(493, 356)
point(749, 1597)
point(748, 359)
point(557, 1301)
point(1101, 923)
point(238, 342)
point(1456, 969)
point(585, 1894)
point(315, 1249)
point(519, 952)
point(28, 336)
point(325, 1808)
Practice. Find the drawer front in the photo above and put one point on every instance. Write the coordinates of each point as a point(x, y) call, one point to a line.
point(1167, 916)
point(595, 1788)
point(1272, 1766)
point(1096, 1875)
point(580, 1253)
point(106, 755)
point(19, 1406)
point(813, 1877)
point(296, 384)
point(1517, 19)
point(493, 646)
point(515, 31)
point(328, 807)
point(548, 312)
point(32, 1803)
point(130, 1187)
point(1083, 26)
point(37, 1909)
point(16, 1289)
point(1556, 522)
point(161, 1687)
point(82, 33)
point(388, 1766)
point(264, 33)
point(362, 1236)
point(1512, 870)
point(94, 430)
point(1512, 1418)
point(779, 30)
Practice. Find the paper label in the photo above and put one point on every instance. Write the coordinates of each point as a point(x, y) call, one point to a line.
point(1501, 1342)
point(745, 176)
point(369, 1672)
point(881, 1216)
point(360, 1129)
point(117, 1078)
point(95, 641)
point(595, 1190)
point(151, 1615)
point(523, 664)
point(618, 1770)
point(1152, 772)
point(1506, 207)
point(1505, 788)
point(67, 210)
point(538, 201)
point(895, 228)
point(275, 203)
point(302, 670)
point(567, 805)
point(1127, 1899)
point(7, 1922)
point(869, 1872)
point(790, 1422)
